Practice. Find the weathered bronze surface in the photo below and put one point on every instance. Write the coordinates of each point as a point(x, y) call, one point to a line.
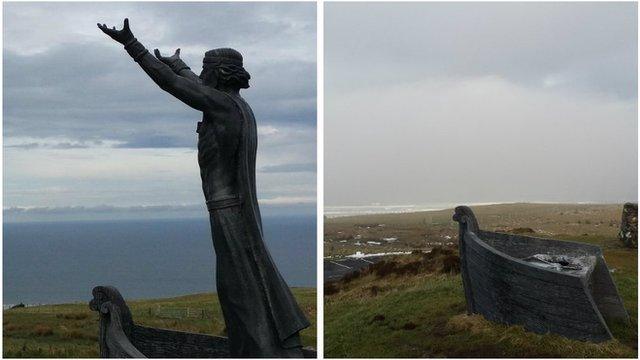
point(545, 285)
point(262, 316)
point(120, 337)
point(629, 226)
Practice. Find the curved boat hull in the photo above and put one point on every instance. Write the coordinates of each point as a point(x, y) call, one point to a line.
point(503, 287)
point(120, 337)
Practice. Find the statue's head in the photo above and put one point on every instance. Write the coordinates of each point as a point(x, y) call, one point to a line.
point(222, 68)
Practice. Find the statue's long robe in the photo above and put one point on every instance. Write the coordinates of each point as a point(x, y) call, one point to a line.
point(255, 299)
point(261, 314)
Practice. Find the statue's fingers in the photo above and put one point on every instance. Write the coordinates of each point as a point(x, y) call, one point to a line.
point(157, 52)
point(126, 24)
point(177, 52)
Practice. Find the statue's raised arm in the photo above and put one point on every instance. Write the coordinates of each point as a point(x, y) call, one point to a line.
point(178, 65)
point(192, 93)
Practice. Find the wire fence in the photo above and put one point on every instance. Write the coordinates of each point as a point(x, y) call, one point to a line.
point(181, 313)
point(158, 311)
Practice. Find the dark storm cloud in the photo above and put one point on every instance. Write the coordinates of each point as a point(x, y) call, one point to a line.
point(83, 86)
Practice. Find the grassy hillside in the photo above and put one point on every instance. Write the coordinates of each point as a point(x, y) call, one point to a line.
point(71, 330)
point(391, 312)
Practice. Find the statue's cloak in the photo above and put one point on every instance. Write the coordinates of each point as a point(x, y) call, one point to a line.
point(253, 294)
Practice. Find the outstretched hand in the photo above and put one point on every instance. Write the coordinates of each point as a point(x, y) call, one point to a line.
point(168, 59)
point(121, 36)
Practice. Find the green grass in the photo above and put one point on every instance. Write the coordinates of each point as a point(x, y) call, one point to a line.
point(71, 330)
point(425, 316)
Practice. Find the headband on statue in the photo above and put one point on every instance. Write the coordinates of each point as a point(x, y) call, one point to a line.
point(216, 60)
point(223, 56)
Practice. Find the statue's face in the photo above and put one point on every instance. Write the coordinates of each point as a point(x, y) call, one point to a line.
point(209, 76)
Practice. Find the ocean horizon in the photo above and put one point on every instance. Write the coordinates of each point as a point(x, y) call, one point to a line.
point(52, 262)
point(334, 211)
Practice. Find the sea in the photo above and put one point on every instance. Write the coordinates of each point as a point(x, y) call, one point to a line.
point(60, 262)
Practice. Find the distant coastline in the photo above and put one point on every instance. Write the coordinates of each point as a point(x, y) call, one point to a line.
point(356, 210)
point(376, 209)
point(26, 214)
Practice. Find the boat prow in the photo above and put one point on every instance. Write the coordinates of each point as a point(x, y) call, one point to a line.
point(121, 338)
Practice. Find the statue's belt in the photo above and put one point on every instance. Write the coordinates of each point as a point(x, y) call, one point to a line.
point(224, 202)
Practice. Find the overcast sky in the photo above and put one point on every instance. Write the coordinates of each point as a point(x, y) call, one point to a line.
point(480, 102)
point(84, 125)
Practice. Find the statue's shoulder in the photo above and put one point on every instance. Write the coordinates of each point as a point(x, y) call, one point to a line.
point(243, 105)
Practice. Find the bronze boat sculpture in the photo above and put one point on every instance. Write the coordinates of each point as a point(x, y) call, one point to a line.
point(120, 337)
point(546, 285)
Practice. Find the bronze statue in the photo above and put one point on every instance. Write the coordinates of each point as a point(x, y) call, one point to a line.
point(628, 233)
point(261, 315)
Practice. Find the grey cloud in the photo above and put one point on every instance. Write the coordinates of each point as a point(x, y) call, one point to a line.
point(157, 141)
point(68, 86)
point(463, 102)
point(249, 24)
point(62, 145)
point(114, 99)
point(93, 90)
point(590, 47)
point(201, 25)
point(289, 168)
